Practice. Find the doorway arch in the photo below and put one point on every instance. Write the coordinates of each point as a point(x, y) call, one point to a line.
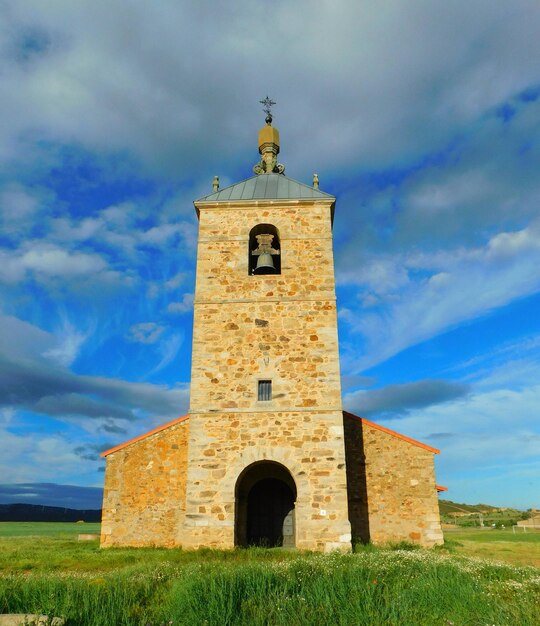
point(265, 497)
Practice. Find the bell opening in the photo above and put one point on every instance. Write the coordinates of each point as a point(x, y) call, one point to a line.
point(264, 250)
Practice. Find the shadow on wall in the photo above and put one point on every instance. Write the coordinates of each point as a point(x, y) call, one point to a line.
point(356, 479)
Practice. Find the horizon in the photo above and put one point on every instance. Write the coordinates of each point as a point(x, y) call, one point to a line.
point(422, 121)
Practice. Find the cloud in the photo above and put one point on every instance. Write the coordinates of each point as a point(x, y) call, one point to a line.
point(35, 383)
point(175, 281)
point(179, 308)
point(152, 102)
point(170, 347)
point(145, 332)
point(16, 205)
point(443, 289)
point(47, 260)
point(91, 451)
point(69, 341)
point(397, 400)
point(110, 426)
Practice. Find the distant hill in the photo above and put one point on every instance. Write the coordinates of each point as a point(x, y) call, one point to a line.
point(480, 514)
point(447, 506)
point(39, 513)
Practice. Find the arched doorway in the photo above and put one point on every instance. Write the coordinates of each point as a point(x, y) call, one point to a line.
point(265, 500)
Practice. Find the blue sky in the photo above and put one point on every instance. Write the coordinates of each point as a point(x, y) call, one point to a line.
point(423, 119)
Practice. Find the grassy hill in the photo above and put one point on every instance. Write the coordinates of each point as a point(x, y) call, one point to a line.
point(478, 514)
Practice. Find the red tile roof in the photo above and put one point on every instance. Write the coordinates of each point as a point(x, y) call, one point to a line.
point(392, 432)
point(144, 435)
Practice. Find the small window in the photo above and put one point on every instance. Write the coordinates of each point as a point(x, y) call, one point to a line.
point(264, 392)
point(264, 250)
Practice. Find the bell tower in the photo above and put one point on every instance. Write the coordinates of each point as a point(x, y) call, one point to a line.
point(266, 453)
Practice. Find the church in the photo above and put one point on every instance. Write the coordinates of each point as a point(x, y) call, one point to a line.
point(266, 455)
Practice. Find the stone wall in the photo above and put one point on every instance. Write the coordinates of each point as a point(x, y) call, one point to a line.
point(281, 327)
point(145, 489)
point(294, 344)
point(308, 444)
point(391, 481)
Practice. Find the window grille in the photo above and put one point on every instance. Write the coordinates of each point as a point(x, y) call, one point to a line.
point(264, 390)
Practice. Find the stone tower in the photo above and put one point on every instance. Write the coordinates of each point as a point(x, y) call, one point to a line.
point(266, 454)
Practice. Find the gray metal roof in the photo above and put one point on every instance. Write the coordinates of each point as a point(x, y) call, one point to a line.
point(266, 187)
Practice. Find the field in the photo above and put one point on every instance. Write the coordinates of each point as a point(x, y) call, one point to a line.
point(45, 569)
point(522, 548)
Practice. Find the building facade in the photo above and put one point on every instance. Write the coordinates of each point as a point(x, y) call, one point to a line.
point(266, 455)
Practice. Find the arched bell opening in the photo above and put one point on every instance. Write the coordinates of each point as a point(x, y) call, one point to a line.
point(264, 250)
point(265, 498)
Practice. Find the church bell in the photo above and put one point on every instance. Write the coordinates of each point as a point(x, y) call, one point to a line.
point(264, 252)
point(265, 264)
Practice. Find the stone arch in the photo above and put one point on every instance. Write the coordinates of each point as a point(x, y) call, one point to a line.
point(283, 456)
point(265, 499)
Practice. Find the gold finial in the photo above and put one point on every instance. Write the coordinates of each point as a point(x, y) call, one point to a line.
point(268, 144)
point(215, 183)
point(315, 181)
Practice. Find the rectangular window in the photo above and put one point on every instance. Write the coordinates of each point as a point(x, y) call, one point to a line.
point(264, 392)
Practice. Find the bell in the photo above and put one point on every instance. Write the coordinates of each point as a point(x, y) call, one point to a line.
point(265, 264)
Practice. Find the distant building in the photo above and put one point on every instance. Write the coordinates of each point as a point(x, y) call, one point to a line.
point(267, 455)
point(531, 521)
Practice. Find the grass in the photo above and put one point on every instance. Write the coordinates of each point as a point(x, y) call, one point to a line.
point(47, 529)
point(56, 575)
point(521, 548)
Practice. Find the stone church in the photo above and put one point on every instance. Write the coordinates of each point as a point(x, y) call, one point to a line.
point(266, 454)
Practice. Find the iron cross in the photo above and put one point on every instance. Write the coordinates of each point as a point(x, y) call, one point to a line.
point(267, 105)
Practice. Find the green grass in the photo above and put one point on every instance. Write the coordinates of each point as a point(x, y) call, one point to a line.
point(56, 575)
point(500, 545)
point(373, 587)
point(47, 529)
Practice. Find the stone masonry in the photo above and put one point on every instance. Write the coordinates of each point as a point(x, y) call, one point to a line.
point(277, 327)
point(145, 488)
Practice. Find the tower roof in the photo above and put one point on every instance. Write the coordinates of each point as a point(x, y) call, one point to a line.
point(266, 187)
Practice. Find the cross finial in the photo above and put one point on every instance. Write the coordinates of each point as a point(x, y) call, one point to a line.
point(267, 108)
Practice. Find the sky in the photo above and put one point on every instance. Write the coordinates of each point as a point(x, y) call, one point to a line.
point(422, 118)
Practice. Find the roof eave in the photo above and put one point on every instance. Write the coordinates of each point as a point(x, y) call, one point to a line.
point(264, 202)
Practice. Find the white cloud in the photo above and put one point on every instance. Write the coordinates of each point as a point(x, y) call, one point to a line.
point(69, 341)
point(491, 425)
point(159, 235)
point(450, 287)
point(145, 332)
point(49, 260)
point(179, 308)
point(169, 349)
point(16, 204)
point(175, 281)
point(379, 81)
